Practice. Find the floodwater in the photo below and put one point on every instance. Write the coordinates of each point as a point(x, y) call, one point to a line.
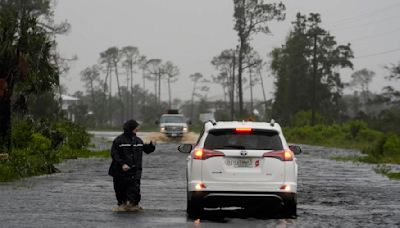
point(190, 138)
point(330, 194)
point(102, 140)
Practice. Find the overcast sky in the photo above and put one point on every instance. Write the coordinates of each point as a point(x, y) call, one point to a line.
point(190, 32)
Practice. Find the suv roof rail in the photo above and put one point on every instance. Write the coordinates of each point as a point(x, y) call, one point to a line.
point(272, 122)
point(212, 122)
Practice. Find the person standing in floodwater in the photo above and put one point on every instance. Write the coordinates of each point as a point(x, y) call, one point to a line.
point(126, 166)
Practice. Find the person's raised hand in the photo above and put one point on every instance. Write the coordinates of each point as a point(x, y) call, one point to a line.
point(125, 167)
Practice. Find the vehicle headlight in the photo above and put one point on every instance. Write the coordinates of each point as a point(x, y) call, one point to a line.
point(185, 129)
point(162, 129)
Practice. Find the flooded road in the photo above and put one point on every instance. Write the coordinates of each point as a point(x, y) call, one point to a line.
point(331, 194)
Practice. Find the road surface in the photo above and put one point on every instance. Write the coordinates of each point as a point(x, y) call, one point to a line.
point(331, 194)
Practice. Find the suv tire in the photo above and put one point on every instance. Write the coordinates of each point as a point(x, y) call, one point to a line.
point(290, 208)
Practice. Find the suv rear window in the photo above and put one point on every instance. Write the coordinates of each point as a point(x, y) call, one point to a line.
point(256, 140)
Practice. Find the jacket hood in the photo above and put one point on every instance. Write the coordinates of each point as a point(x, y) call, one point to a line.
point(129, 126)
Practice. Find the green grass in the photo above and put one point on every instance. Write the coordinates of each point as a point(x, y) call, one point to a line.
point(377, 147)
point(384, 170)
point(25, 164)
point(6, 172)
point(196, 128)
point(381, 168)
point(392, 175)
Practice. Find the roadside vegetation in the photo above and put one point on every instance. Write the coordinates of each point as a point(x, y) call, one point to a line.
point(378, 147)
point(309, 99)
point(34, 131)
point(38, 145)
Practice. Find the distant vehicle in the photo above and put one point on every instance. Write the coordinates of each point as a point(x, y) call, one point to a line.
point(243, 164)
point(173, 124)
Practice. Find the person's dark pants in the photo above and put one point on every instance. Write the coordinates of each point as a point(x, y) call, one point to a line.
point(127, 189)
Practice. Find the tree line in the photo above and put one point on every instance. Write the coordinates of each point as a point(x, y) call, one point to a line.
point(251, 17)
point(306, 69)
point(308, 88)
point(132, 72)
point(29, 62)
point(34, 132)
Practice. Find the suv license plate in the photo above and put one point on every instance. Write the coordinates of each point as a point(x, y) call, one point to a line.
point(174, 134)
point(239, 163)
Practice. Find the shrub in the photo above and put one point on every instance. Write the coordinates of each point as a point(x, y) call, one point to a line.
point(75, 136)
point(67, 153)
point(354, 128)
point(391, 147)
point(38, 145)
point(7, 173)
point(21, 133)
point(48, 129)
point(368, 135)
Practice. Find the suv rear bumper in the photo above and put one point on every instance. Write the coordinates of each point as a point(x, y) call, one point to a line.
point(241, 186)
point(240, 199)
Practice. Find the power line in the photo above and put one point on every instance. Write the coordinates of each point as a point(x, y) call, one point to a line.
point(355, 26)
point(378, 53)
point(368, 13)
point(376, 35)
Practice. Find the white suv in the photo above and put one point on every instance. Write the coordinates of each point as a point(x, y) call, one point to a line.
point(241, 164)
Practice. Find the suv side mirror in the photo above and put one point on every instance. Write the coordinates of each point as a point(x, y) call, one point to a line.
point(189, 122)
point(185, 148)
point(296, 149)
point(157, 122)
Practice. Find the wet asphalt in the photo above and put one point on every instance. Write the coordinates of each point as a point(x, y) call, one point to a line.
point(330, 194)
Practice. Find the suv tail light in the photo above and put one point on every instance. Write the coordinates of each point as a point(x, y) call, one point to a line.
point(203, 154)
point(283, 155)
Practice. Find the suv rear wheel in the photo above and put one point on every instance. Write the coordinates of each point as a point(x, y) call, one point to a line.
point(290, 207)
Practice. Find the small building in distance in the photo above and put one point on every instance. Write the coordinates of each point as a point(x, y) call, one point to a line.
point(66, 105)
